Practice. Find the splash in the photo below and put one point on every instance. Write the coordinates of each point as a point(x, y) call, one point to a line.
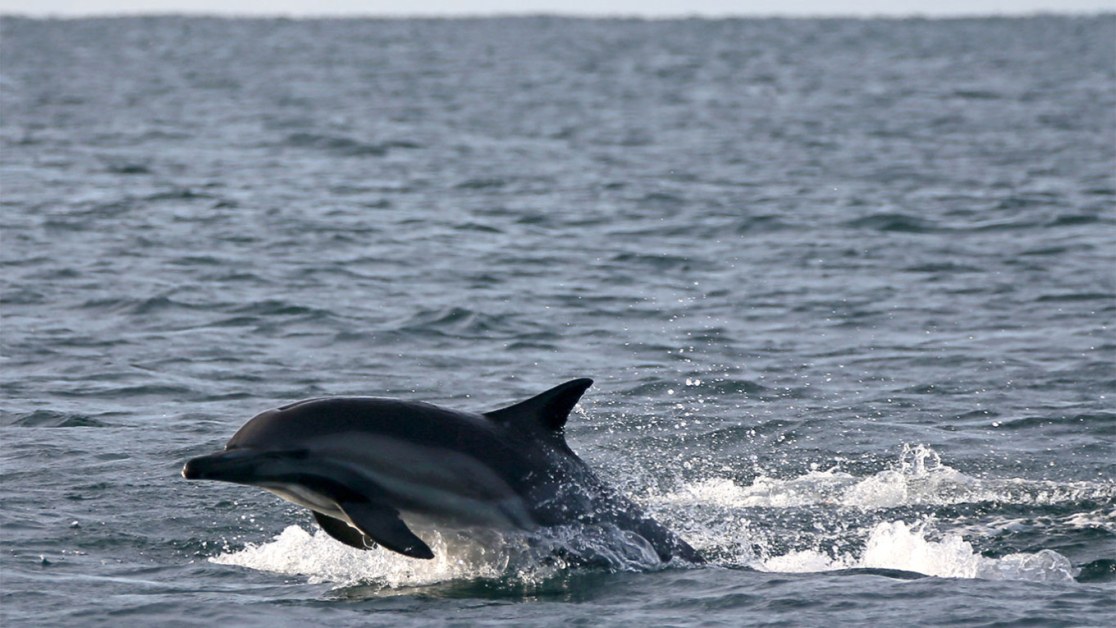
point(523, 559)
point(295, 552)
point(896, 545)
point(829, 511)
point(726, 520)
point(918, 478)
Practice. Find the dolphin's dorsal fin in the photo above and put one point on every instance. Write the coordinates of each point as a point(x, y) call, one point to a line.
point(548, 410)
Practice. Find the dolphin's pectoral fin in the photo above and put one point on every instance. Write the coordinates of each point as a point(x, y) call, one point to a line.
point(344, 532)
point(382, 523)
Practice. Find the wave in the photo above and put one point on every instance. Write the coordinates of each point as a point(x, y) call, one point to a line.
point(51, 418)
point(897, 545)
point(460, 322)
point(730, 540)
point(894, 222)
point(347, 146)
point(919, 478)
point(827, 520)
point(528, 559)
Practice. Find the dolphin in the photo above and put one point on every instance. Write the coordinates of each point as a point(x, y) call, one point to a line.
point(371, 468)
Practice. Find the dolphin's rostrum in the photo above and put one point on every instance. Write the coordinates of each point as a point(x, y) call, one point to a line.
point(370, 468)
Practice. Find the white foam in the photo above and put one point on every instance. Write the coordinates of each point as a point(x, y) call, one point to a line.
point(320, 558)
point(524, 558)
point(896, 545)
point(918, 478)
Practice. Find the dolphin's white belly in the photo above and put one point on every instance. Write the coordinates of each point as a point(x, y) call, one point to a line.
point(307, 498)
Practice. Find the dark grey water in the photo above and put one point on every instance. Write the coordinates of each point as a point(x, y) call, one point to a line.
point(847, 289)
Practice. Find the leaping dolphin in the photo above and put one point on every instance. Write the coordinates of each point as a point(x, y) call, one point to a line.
point(370, 468)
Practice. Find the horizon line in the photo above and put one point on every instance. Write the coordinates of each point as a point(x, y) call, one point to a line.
point(572, 15)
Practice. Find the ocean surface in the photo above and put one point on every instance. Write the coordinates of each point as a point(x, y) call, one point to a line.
point(847, 289)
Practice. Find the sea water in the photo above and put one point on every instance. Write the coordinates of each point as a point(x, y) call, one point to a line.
point(846, 288)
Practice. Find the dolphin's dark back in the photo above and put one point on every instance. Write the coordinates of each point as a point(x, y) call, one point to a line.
point(526, 462)
point(413, 421)
point(521, 448)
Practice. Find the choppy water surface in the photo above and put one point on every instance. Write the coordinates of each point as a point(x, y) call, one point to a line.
point(846, 288)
